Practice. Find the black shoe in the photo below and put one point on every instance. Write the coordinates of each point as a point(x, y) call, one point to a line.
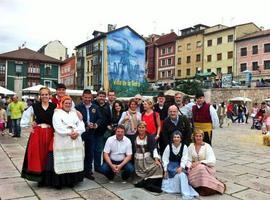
point(89, 176)
point(15, 136)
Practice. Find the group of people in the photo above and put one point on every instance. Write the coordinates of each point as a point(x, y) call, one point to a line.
point(150, 142)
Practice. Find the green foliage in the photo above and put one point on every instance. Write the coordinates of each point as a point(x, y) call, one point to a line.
point(190, 87)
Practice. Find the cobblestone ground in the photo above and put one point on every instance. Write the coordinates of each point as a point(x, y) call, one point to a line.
point(243, 163)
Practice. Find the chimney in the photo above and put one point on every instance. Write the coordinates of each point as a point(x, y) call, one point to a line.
point(172, 30)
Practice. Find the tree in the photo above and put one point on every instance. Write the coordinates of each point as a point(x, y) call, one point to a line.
point(190, 87)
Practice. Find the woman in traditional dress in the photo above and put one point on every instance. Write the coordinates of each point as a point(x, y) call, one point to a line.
point(67, 147)
point(201, 167)
point(40, 141)
point(174, 159)
point(130, 120)
point(147, 161)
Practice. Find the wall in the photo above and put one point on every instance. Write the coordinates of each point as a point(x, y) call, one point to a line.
point(223, 94)
point(56, 50)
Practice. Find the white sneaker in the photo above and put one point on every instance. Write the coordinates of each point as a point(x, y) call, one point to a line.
point(124, 182)
point(10, 134)
point(111, 182)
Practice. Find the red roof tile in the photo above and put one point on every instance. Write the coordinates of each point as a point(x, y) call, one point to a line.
point(28, 54)
point(168, 38)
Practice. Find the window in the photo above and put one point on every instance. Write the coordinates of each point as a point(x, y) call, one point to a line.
point(229, 69)
point(243, 67)
point(219, 40)
point(254, 66)
point(18, 69)
point(163, 51)
point(219, 56)
point(208, 70)
point(169, 61)
point(244, 51)
point(169, 49)
point(169, 73)
point(218, 70)
point(198, 57)
point(48, 69)
point(266, 48)
point(188, 46)
point(179, 48)
point(230, 38)
point(267, 64)
point(48, 83)
point(163, 62)
point(230, 54)
point(188, 59)
point(179, 72)
point(198, 44)
point(2, 68)
point(209, 58)
point(209, 43)
point(162, 74)
point(188, 72)
point(255, 49)
point(179, 61)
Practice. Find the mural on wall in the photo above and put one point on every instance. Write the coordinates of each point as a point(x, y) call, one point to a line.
point(126, 62)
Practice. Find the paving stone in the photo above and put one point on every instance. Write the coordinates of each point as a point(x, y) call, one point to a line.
point(29, 198)
point(223, 163)
point(250, 170)
point(15, 190)
point(86, 185)
point(233, 188)
point(8, 173)
point(257, 183)
point(53, 194)
point(135, 194)
point(218, 197)
point(164, 196)
point(4, 181)
point(118, 186)
point(18, 162)
point(100, 178)
point(99, 194)
point(252, 195)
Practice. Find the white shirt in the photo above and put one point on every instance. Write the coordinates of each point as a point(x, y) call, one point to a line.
point(166, 156)
point(118, 150)
point(205, 155)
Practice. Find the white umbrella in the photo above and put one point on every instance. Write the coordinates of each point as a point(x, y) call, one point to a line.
point(172, 92)
point(244, 99)
point(36, 88)
point(6, 91)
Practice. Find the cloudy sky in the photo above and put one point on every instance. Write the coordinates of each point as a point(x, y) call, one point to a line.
point(37, 22)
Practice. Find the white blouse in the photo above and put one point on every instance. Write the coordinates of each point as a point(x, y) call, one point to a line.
point(144, 142)
point(166, 156)
point(205, 155)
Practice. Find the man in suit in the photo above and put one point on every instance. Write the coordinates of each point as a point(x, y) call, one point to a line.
point(92, 120)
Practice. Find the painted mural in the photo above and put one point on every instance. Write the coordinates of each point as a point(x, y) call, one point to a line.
point(126, 62)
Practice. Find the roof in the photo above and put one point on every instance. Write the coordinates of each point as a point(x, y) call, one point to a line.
point(254, 35)
point(41, 50)
point(68, 59)
point(28, 54)
point(165, 39)
point(228, 28)
point(102, 35)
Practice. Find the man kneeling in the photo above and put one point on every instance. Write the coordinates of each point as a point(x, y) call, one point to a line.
point(117, 155)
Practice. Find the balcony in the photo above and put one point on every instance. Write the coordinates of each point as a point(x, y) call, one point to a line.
point(33, 75)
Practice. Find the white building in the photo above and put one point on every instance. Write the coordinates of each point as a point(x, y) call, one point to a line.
point(54, 49)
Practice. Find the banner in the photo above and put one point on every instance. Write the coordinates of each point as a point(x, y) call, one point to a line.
point(126, 62)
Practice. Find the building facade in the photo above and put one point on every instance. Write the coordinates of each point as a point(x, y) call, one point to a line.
point(189, 52)
point(112, 60)
point(253, 55)
point(54, 49)
point(25, 68)
point(68, 73)
point(219, 47)
point(165, 59)
point(151, 58)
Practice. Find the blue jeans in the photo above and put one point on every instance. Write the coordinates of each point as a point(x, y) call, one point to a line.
point(93, 146)
point(127, 170)
point(16, 126)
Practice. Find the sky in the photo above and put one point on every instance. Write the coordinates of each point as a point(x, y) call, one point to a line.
point(37, 22)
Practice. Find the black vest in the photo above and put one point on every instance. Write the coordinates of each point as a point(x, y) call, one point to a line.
point(178, 156)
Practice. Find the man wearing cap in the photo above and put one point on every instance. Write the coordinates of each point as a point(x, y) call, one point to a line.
point(204, 117)
point(161, 107)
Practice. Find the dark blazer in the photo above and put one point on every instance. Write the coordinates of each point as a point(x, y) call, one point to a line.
point(95, 116)
point(183, 126)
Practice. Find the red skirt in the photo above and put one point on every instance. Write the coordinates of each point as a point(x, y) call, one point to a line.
point(39, 144)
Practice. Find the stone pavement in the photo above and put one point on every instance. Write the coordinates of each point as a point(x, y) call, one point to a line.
point(242, 162)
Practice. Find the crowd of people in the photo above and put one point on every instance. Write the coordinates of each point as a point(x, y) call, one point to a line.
point(159, 147)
